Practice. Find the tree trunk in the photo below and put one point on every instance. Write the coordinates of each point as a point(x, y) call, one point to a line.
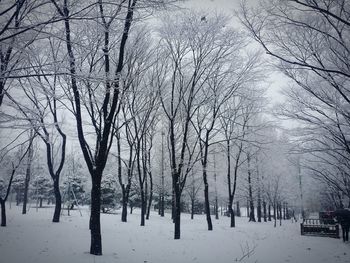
point(3, 212)
point(150, 196)
point(177, 212)
point(238, 209)
point(162, 205)
point(192, 208)
point(95, 224)
point(28, 173)
point(206, 202)
point(231, 211)
point(264, 210)
point(124, 209)
point(247, 208)
point(280, 208)
point(269, 212)
point(216, 208)
point(232, 215)
point(251, 202)
point(18, 194)
point(41, 202)
point(259, 207)
point(274, 214)
point(58, 201)
point(146, 188)
point(143, 208)
point(173, 203)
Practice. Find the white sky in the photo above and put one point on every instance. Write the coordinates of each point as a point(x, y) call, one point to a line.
point(274, 81)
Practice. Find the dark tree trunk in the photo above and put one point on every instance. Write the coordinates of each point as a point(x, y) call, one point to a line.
point(247, 208)
point(18, 198)
point(238, 209)
point(232, 215)
point(146, 189)
point(95, 224)
point(177, 212)
point(259, 208)
point(207, 203)
point(264, 211)
point(287, 212)
point(28, 174)
point(173, 203)
point(251, 201)
point(3, 212)
point(150, 198)
point(124, 209)
point(162, 205)
point(125, 189)
point(41, 203)
point(143, 207)
point(192, 208)
point(269, 212)
point(274, 214)
point(141, 184)
point(58, 201)
point(251, 212)
point(280, 208)
point(216, 208)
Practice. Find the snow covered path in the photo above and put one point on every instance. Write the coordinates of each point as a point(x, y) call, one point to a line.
point(32, 238)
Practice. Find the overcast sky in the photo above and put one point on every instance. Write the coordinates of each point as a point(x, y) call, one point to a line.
point(275, 81)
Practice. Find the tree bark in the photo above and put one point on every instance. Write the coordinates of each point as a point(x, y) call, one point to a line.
point(3, 212)
point(28, 174)
point(264, 210)
point(58, 201)
point(274, 214)
point(150, 198)
point(95, 224)
point(251, 202)
point(192, 208)
point(232, 215)
point(280, 208)
point(177, 212)
point(259, 207)
point(124, 209)
point(238, 209)
point(206, 201)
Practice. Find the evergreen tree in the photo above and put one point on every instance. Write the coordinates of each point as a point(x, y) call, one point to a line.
point(18, 185)
point(74, 188)
point(42, 188)
point(109, 193)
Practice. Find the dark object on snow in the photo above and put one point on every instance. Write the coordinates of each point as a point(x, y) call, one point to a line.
point(316, 227)
point(343, 218)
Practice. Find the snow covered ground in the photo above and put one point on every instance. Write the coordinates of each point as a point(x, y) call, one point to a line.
point(32, 238)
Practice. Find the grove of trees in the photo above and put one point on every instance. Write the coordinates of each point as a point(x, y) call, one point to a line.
point(165, 108)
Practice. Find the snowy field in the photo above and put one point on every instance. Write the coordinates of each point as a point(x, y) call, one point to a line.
point(32, 238)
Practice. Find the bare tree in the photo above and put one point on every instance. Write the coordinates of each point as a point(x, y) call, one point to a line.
point(42, 113)
point(104, 108)
point(5, 192)
point(192, 190)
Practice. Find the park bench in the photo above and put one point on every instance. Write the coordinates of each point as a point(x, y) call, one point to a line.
point(317, 227)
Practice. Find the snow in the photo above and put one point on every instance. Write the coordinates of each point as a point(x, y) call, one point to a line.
point(34, 238)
